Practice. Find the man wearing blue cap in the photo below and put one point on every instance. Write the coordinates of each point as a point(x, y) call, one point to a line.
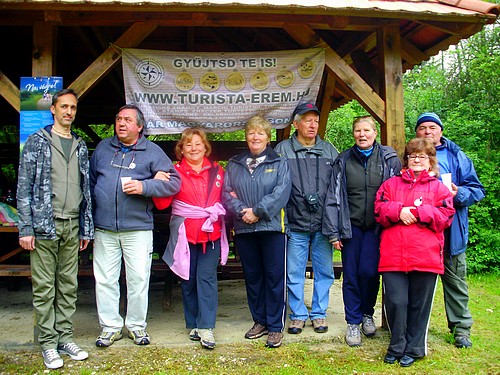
point(310, 159)
point(466, 190)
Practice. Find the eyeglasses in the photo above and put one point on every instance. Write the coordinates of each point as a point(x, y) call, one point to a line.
point(130, 166)
point(420, 157)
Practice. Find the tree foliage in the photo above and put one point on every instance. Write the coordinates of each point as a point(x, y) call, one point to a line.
point(462, 86)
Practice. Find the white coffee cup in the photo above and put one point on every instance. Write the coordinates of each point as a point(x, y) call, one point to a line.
point(446, 178)
point(124, 180)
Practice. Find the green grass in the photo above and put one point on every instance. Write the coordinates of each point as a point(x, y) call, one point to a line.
point(307, 357)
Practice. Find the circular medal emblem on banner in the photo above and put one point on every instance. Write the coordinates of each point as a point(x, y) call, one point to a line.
point(306, 68)
point(260, 81)
point(149, 73)
point(210, 82)
point(285, 78)
point(184, 81)
point(235, 81)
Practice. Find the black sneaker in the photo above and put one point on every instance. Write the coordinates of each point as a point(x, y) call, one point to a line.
point(463, 341)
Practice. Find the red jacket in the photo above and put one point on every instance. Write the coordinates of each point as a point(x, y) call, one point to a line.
point(197, 189)
point(419, 246)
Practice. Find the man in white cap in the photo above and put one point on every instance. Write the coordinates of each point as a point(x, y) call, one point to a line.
point(466, 190)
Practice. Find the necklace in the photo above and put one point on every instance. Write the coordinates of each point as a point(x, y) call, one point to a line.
point(65, 135)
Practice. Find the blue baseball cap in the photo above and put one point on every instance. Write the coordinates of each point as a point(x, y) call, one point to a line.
point(429, 117)
point(304, 108)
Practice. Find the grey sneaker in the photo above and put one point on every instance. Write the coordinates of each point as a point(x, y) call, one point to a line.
point(73, 350)
point(353, 335)
point(368, 326)
point(106, 339)
point(207, 338)
point(140, 337)
point(51, 359)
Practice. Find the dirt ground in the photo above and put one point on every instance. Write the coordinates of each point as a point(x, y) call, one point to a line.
point(165, 327)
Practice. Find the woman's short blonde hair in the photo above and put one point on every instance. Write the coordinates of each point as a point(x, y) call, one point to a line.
point(422, 146)
point(258, 122)
point(367, 119)
point(187, 136)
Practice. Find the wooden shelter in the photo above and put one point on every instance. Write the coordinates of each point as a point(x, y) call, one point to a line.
point(368, 44)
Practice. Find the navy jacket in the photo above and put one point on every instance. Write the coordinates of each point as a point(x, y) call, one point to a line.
point(266, 191)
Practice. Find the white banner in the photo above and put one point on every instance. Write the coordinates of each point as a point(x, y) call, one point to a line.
point(219, 91)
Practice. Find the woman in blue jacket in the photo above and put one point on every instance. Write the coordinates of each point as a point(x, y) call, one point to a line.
point(256, 190)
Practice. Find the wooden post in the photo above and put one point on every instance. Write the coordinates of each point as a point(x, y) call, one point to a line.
point(393, 133)
point(389, 44)
point(43, 49)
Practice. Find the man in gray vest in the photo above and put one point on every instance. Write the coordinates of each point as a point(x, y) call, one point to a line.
point(55, 222)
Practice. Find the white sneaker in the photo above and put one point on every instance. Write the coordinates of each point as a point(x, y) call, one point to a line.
point(207, 338)
point(73, 350)
point(51, 359)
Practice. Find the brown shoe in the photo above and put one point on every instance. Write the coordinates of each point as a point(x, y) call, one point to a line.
point(256, 331)
point(296, 326)
point(274, 339)
point(320, 325)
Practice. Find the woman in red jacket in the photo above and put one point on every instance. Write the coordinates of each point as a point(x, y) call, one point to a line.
point(414, 209)
point(197, 233)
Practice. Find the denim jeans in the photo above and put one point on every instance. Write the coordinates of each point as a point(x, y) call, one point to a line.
point(322, 264)
point(136, 248)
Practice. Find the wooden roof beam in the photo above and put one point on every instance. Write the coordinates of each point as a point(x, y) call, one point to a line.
point(411, 54)
point(360, 89)
point(455, 28)
point(327, 102)
point(10, 92)
point(356, 41)
point(109, 58)
point(434, 50)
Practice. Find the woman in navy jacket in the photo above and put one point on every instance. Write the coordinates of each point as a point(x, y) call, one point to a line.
point(256, 190)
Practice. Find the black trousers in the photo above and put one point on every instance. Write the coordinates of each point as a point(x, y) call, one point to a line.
point(263, 258)
point(408, 303)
